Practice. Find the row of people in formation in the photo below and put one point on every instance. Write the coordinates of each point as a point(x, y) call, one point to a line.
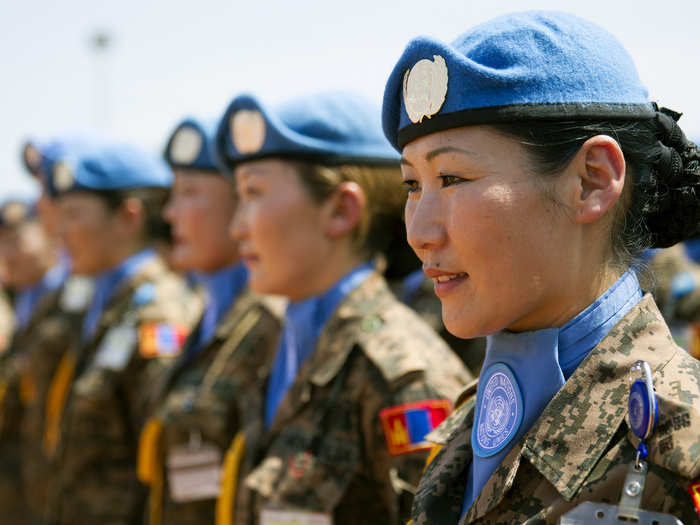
point(226, 337)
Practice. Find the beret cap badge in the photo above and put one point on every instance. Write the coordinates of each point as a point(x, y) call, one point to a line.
point(62, 176)
point(186, 145)
point(14, 213)
point(247, 131)
point(32, 156)
point(425, 88)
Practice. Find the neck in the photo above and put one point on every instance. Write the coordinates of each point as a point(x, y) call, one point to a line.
point(571, 294)
point(329, 270)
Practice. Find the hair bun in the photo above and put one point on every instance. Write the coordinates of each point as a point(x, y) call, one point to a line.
point(673, 189)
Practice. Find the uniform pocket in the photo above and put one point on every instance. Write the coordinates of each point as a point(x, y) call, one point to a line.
point(306, 473)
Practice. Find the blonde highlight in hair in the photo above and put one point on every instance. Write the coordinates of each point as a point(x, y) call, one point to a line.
point(385, 197)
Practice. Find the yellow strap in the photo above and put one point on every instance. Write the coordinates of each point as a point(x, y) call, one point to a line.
point(27, 389)
point(229, 478)
point(433, 452)
point(149, 459)
point(149, 468)
point(56, 402)
point(3, 393)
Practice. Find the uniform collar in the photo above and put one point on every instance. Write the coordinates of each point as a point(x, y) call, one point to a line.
point(599, 387)
point(29, 298)
point(107, 283)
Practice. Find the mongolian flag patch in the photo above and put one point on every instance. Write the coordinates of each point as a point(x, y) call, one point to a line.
point(405, 426)
point(161, 340)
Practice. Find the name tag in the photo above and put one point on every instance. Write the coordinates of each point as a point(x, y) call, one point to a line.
point(194, 473)
point(294, 517)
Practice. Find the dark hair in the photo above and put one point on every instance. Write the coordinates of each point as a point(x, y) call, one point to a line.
point(153, 200)
point(661, 202)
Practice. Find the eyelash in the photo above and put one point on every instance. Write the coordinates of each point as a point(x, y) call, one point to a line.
point(447, 180)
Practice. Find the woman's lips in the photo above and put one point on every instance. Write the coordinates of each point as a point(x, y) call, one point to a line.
point(445, 282)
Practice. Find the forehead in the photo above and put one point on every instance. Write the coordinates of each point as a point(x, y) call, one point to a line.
point(476, 142)
point(266, 167)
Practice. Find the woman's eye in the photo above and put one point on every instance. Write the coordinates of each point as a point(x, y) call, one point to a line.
point(449, 180)
point(412, 185)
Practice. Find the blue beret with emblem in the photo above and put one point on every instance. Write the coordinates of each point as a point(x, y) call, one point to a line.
point(327, 128)
point(190, 146)
point(15, 211)
point(107, 167)
point(534, 65)
point(39, 157)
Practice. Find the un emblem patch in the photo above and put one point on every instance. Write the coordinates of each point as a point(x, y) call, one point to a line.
point(500, 411)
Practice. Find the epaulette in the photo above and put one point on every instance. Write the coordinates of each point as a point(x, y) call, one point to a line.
point(388, 346)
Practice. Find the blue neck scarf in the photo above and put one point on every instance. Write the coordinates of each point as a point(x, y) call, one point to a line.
point(692, 249)
point(303, 323)
point(512, 393)
point(106, 284)
point(28, 299)
point(222, 288)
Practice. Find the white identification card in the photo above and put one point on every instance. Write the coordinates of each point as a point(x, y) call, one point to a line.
point(116, 347)
point(194, 473)
point(294, 517)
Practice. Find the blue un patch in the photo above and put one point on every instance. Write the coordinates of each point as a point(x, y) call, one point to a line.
point(500, 411)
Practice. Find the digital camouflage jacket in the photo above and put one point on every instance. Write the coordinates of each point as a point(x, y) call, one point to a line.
point(97, 401)
point(580, 448)
point(195, 411)
point(326, 451)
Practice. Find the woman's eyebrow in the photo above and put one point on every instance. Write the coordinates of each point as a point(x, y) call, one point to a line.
point(448, 149)
point(405, 162)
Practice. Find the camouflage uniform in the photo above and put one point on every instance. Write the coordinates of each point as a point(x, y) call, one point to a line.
point(95, 450)
point(196, 404)
point(57, 331)
point(580, 448)
point(326, 450)
point(426, 304)
point(17, 390)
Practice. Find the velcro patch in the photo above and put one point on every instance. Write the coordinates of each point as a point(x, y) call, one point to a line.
point(694, 489)
point(161, 340)
point(405, 426)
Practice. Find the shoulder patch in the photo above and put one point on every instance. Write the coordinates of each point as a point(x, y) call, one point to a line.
point(161, 339)
point(116, 348)
point(406, 425)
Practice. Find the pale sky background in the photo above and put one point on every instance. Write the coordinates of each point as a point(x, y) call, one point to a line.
point(173, 58)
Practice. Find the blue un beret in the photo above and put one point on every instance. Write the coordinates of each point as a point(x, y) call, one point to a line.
point(15, 211)
point(328, 128)
point(522, 66)
point(190, 146)
point(107, 167)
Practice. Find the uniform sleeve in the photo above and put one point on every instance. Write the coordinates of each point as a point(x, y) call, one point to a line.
point(397, 473)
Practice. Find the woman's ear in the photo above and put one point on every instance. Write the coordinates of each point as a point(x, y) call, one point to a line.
point(132, 217)
point(600, 169)
point(346, 206)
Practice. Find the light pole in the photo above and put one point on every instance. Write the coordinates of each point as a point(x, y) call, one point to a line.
point(100, 44)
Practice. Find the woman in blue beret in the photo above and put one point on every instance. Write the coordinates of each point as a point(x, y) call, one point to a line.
point(193, 416)
point(537, 172)
point(110, 200)
point(34, 277)
point(333, 430)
